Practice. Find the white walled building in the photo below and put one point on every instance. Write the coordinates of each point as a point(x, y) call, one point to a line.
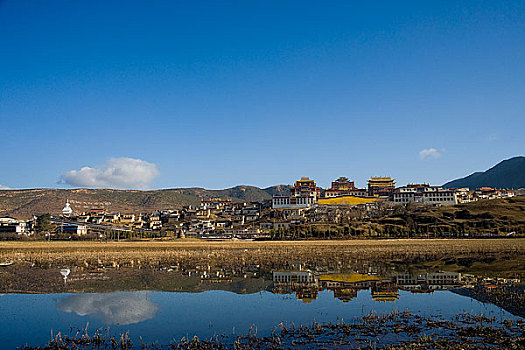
point(73, 229)
point(12, 225)
point(425, 194)
point(293, 277)
point(283, 202)
point(304, 194)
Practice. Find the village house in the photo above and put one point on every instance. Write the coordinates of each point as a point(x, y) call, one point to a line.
point(222, 224)
point(127, 219)
point(79, 230)
point(12, 225)
point(96, 211)
point(464, 195)
point(171, 217)
point(203, 213)
point(109, 218)
point(276, 226)
point(83, 218)
point(154, 222)
point(215, 203)
point(493, 193)
point(140, 221)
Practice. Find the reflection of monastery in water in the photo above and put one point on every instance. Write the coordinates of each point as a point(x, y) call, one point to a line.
point(427, 282)
point(345, 286)
point(293, 277)
point(342, 280)
point(302, 283)
point(385, 291)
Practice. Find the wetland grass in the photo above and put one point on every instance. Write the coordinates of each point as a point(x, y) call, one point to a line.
point(396, 330)
point(242, 253)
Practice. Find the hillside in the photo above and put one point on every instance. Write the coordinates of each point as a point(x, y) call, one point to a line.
point(509, 173)
point(25, 203)
point(483, 217)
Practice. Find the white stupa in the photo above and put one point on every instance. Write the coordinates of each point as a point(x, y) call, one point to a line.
point(67, 211)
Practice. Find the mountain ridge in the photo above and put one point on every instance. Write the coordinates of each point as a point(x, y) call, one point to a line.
point(27, 202)
point(509, 173)
point(24, 203)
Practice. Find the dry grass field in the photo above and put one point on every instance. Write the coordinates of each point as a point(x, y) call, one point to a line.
point(243, 253)
point(346, 200)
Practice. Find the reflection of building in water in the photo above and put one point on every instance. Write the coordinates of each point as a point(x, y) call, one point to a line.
point(293, 277)
point(385, 291)
point(307, 295)
point(508, 294)
point(345, 294)
point(346, 285)
point(440, 279)
point(340, 280)
point(428, 281)
point(302, 283)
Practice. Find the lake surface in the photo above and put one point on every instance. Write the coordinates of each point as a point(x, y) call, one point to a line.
point(290, 297)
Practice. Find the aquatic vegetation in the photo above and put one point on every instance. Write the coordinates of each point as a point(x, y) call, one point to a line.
point(396, 330)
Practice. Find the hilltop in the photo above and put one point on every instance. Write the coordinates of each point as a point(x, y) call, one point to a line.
point(509, 173)
point(24, 203)
point(506, 214)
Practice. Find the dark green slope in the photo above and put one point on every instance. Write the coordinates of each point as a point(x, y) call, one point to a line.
point(509, 173)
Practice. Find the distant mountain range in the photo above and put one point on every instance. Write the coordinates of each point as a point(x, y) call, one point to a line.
point(24, 203)
point(509, 173)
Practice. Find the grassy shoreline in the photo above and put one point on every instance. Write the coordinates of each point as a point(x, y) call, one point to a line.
point(199, 242)
point(267, 254)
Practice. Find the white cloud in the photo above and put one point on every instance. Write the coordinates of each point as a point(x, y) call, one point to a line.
point(121, 173)
point(4, 187)
point(429, 153)
point(113, 308)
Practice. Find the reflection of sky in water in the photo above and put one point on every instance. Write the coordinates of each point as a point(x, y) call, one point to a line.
point(121, 308)
point(164, 316)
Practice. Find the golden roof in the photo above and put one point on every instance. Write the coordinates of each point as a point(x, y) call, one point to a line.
point(381, 178)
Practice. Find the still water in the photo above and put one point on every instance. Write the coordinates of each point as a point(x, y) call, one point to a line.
point(159, 316)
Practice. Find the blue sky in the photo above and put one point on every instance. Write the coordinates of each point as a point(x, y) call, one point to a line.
point(163, 94)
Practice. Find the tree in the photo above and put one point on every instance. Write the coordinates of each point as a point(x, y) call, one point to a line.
point(43, 223)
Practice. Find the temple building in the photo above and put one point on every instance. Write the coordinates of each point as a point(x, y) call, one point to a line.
point(344, 187)
point(306, 187)
point(342, 184)
point(304, 194)
point(382, 186)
